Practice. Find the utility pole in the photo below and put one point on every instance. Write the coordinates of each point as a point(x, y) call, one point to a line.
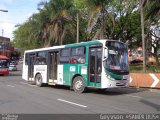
point(77, 28)
point(102, 32)
point(3, 44)
point(143, 40)
point(1, 10)
point(3, 48)
point(103, 10)
point(2, 32)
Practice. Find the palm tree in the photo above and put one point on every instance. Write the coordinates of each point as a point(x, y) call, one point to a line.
point(96, 18)
point(59, 20)
point(106, 16)
point(152, 18)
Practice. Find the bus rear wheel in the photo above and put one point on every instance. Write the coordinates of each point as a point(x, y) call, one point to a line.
point(78, 85)
point(38, 80)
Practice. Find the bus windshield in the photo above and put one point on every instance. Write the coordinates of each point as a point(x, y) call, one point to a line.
point(117, 57)
point(3, 63)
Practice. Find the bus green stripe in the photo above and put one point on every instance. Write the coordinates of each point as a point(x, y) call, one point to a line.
point(115, 76)
point(82, 43)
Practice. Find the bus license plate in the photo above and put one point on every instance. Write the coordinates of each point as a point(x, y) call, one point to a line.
point(125, 77)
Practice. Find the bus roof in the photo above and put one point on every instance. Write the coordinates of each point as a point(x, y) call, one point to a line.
point(84, 43)
point(103, 41)
point(72, 45)
point(47, 48)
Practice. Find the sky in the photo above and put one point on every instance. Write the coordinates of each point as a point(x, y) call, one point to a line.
point(18, 12)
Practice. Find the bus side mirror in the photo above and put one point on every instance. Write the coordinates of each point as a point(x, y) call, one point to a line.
point(105, 53)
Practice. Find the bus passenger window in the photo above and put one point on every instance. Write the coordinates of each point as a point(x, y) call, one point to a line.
point(78, 54)
point(41, 58)
point(26, 59)
point(64, 56)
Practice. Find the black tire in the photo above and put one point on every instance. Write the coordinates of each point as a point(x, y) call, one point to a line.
point(38, 80)
point(79, 85)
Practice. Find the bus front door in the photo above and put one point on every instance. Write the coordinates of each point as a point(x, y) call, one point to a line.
point(95, 66)
point(53, 65)
point(31, 67)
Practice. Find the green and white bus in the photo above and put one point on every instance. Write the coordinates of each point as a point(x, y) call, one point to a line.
point(98, 64)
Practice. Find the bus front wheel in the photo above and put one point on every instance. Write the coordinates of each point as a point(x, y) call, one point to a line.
point(78, 84)
point(39, 80)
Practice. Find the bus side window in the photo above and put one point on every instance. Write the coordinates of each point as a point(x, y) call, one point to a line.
point(77, 55)
point(26, 59)
point(41, 58)
point(64, 56)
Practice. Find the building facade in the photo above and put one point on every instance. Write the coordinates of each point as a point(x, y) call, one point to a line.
point(5, 46)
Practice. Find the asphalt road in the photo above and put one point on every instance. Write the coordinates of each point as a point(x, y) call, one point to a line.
point(17, 96)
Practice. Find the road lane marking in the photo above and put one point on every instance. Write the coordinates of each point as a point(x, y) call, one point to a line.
point(72, 103)
point(10, 86)
point(134, 96)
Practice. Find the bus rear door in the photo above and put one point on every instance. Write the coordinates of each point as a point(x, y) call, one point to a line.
point(31, 66)
point(53, 65)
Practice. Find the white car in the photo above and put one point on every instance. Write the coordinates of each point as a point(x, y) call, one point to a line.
point(12, 68)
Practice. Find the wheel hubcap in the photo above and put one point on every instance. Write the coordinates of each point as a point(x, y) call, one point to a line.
point(38, 80)
point(78, 84)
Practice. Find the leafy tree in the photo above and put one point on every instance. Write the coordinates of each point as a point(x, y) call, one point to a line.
point(110, 19)
point(152, 8)
point(24, 37)
point(59, 20)
point(152, 20)
point(55, 24)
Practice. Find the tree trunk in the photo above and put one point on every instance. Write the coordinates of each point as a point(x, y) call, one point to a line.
point(143, 40)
